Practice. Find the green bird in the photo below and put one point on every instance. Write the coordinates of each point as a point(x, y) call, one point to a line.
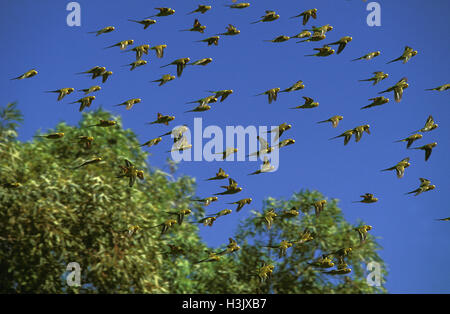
point(359, 130)
point(163, 12)
point(264, 272)
point(203, 62)
point(347, 135)
point(279, 130)
point(362, 232)
point(62, 92)
point(410, 139)
point(201, 9)
point(378, 77)
point(91, 89)
point(177, 133)
point(429, 125)
point(231, 31)
point(296, 86)
point(106, 75)
point(227, 152)
point(222, 94)
point(368, 198)
point(197, 27)
point(163, 119)
point(223, 212)
point(309, 104)
point(319, 206)
point(279, 39)
point(95, 71)
point(231, 247)
point(444, 219)
point(52, 136)
point(180, 215)
point(84, 102)
point(398, 89)
point(368, 56)
point(264, 148)
point(406, 56)
point(145, 22)
point(85, 140)
point(181, 145)
point(322, 29)
point(400, 167)
point(440, 88)
point(282, 247)
point(200, 108)
point(12, 185)
point(238, 5)
point(340, 271)
point(266, 167)
point(376, 101)
point(164, 79)
point(159, 50)
point(107, 29)
point(272, 94)
point(286, 142)
point(325, 51)
point(130, 103)
point(302, 34)
point(122, 44)
point(268, 17)
point(334, 120)
point(140, 50)
point(165, 226)
point(268, 217)
point(220, 175)
point(425, 186)
point(206, 201)
point(342, 43)
point(213, 40)
point(428, 148)
point(207, 221)
point(306, 15)
point(212, 257)
point(180, 63)
point(316, 36)
point(152, 142)
point(241, 203)
point(104, 123)
point(232, 188)
point(291, 213)
point(322, 262)
point(28, 74)
point(89, 162)
point(136, 64)
point(130, 171)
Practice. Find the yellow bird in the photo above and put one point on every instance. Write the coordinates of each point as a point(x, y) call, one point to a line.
point(347, 135)
point(440, 88)
point(163, 12)
point(227, 152)
point(362, 232)
point(106, 75)
point(104, 30)
point(197, 27)
point(316, 36)
point(319, 206)
point(180, 63)
point(162, 119)
point(359, 130)
point(181, 145)
point(91, 89)
point(164, 79)
point(428, 148)
point(207, 221)
point(206, 201)
point(376, 101)
point(410, 139)
point(231, 31)
point(223, 212)
point(62, 92)
point(221, 174)
point(296, 86)
point(222, 94)
point(130, 103)
point(429, 125)
point(408, 53)
point(84, 102)
point(325, 51)
point(232, 188)
point(309, 104)
point(231, 247)
point(203, 62)
point(52, 136)
point(282, 247)
point(286, 142)
point(28, 74)
point(201, 9)
point(180, 215)
point(302, 34)
point(166, 225)
point(89, 162)
point(400, 167)
point(306, 15)
point(272, 94)
point(334, 120)
point(342, 43)
point(279, 39)
point(268, 17)
point(378, 77)
point(152, 142)
point(397, 89)
point(425, 185)
point(241, 203)
point(159, 49)
point(279, 130)
point(104, 123)
point(200, 108)
point(368, 56)
point(238, 5)
point(85, 140)
point(136, 64)
point(145, 22)
point(140, 50)
point(368, 198)
point(213, 40)
point(266, 167)
point(122, 44)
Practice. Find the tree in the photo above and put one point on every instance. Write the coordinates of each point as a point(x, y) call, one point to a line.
point(52, 214)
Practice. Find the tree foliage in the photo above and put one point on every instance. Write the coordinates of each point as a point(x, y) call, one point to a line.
point(60, 215)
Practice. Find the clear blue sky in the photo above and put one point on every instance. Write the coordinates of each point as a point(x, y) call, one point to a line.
point(416, 248)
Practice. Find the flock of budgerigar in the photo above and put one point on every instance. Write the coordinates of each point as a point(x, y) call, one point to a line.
point(312, 34)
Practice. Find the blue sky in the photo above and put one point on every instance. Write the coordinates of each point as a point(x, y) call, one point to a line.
point(416, 250)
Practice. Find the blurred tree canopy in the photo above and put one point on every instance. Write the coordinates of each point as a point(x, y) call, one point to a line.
point(57, 215)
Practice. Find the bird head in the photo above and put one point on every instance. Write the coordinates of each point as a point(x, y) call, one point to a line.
point(140, 174)
point(70, 89)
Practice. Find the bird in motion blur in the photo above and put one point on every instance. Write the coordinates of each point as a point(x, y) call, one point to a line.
point(136, 64)
point(201, 9)
point(231, 188)
point(180, 215)
point(231, 31)
point(231, 247)
point(200, 108)
point(279, 39)
point(181, 145)
point(95, 71)
point(429, 125)
point(296, 86)
point(302, 34)
point(52, 136)
point(206, 201)
point(428, 148)
point(376, 101)
point(159, 50)
point(140, 50)
point(177, 133)
point(165, 226)
point(319, 206)
point(241, 203)
point(152, 142)
point(88, 162)
point(227, 152)
point(164, 79)
point(325, 51)
point(130, 103)
point(222, 94)
point(347, 135)
point(104, 123)
point(282, 247)
point(84, 102)
point(91, 89)
point(266, 167)
point(378, 77)
point(163, 119)
point(62, 92)
point(27, 74)
point(334, 120)
point(213, 40)
point(264, 148)
point(220, 175)
point(85, 140)
point(203, 61)
point(242, 5)
point(285, 142)
point(316, 36)
point(400, 167)
point(163, 12)
point(145, 22)
point(359, 130)
point(279, 130)
point(197, 27)
point(130, 171)
point(122, 44)
point(440, 88)
point(362, 232)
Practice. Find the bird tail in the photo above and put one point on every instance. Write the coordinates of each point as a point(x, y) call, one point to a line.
point(309, 55)
point(255, 22)
point(363, 80)
point(163, 66)
point(356, 59)
point(323, 121)
point(51, 91)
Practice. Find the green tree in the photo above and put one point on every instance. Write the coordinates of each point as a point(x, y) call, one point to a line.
point(59, 215)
